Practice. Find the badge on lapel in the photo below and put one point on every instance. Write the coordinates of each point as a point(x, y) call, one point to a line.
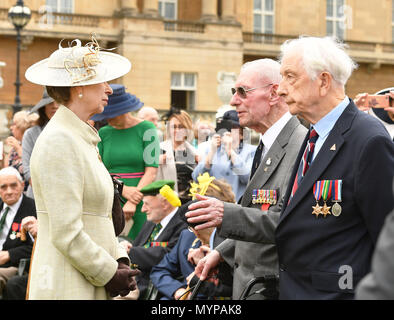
point(325, 190)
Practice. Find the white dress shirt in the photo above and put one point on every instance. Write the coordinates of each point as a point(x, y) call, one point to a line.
point(165, 221)
point(272, 133)
point(8, 220)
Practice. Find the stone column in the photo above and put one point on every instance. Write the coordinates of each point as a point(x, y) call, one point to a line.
point(209, 10)
point(129, 7)
point(228, 10)
point(151, 8)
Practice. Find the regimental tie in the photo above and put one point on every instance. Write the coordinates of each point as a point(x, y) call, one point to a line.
point(305, 162)
point(2, 221)
point(154, 233)
point(257, 158)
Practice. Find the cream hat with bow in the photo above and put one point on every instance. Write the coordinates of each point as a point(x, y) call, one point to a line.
point(78, 65)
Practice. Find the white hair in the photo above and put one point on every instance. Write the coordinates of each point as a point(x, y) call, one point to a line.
point(322, 54)
point(267, 68)
point(11, 171)
point(145, 111)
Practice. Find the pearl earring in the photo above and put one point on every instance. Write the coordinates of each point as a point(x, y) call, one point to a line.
point(80, 95)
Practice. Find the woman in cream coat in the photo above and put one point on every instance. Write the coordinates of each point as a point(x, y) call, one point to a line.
point(77, 255)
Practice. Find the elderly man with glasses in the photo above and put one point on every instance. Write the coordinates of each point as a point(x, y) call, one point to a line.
point(260, 108)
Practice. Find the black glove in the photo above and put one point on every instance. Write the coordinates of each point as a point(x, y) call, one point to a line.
point(123, 281)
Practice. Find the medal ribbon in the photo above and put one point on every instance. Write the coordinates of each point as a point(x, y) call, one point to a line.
point(15, 227)
point(317, 190)
point(327, 185)
point(337, 191)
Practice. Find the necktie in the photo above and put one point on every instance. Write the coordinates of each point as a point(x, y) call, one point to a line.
point(257, 158)
point(305, 161)
point(2, 221)
point(154, 233)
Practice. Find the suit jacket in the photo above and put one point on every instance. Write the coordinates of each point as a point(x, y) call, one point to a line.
point(317, 255)
point(16, 248)
point(171, 273)
point(146, 258)
point(379, 284)
point(249, 223)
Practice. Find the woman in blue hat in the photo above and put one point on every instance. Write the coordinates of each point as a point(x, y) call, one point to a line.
point(129, 148)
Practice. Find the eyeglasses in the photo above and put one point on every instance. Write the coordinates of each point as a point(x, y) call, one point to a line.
point(242, 91)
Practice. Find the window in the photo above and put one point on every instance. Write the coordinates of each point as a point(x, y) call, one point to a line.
point(168, 9)
point(183, 90)
point(61, 6)
point(263, 16)
point(335, 18)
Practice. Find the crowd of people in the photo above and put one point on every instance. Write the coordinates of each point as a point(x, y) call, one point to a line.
point(207, 214)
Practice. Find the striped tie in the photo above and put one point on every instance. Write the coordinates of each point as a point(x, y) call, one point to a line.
point(154, 233)
point(2, 221)
point(305, 162)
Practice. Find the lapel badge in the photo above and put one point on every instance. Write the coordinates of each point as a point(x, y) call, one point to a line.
point(334, 147)
point(268, 162)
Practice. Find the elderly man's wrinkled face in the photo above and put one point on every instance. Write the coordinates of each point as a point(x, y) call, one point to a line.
point(299, 91)
point(10, 189)
point(253, 107)
point(153, 208)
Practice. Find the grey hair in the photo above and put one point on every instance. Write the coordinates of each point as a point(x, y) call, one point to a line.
point(322, 54)
point(146, 110)
point(11, 171)
point(267, 68)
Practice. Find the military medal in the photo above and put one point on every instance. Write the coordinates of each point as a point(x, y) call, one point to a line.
point(317, 192)
point(264, 197)
point(15, 228)
point(326, 195)
point(337, 197)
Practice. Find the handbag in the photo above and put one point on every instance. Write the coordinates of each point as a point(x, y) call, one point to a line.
point(117, 211)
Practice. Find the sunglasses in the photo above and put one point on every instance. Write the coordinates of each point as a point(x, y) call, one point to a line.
point(242, 91)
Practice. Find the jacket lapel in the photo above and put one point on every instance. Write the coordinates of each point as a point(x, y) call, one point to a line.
point(147, 232)
point(168, 228)
point(322, 160)
point(270, 162)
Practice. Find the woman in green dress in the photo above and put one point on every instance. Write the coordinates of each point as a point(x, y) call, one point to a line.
point(129, 148)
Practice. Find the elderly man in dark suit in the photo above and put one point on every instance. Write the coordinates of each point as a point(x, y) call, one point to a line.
point(160, 232)
point(260, 108)
point(14, 207)
point(341, 185)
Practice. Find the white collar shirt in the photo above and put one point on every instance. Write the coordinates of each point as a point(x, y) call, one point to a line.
point(165, 221)
point(272, 133)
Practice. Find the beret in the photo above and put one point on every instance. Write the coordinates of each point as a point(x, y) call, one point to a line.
point(153, 188)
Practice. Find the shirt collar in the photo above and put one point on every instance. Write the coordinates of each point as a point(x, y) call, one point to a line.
point(272, 133)
point(324, 125)
point(14, 208)
point(167, 218)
